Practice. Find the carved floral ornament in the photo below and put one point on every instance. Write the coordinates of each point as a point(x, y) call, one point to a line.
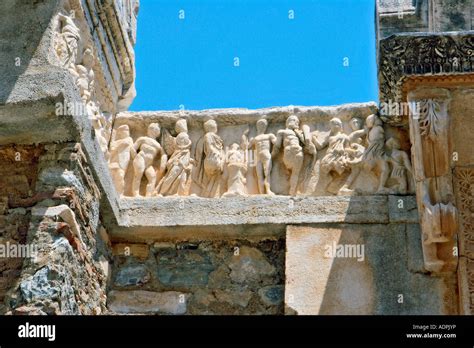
point(405, 56)
point(355, 157)
point(465, 199)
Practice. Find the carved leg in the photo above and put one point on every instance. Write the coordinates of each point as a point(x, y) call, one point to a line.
point(138, 169)
point(346, 189)
point(267, 164)
point(385, 172)
point(151, 177)
point(295, 174)
point(260, 177)
point(118, 177)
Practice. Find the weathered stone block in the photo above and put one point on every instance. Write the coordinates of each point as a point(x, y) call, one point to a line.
point(249, 266)
point(272, 295)
point(132, 275)
point(325, 273)
point(234, 297)
point(414, 249)
point(139, 301)
point(186, 268)
point(403, 209)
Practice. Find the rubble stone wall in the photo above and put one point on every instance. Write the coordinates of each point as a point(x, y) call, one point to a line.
point(51, 204)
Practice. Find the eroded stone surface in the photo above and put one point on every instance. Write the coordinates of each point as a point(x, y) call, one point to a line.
point(139, 301)
point(249, 265)
point(356, 280)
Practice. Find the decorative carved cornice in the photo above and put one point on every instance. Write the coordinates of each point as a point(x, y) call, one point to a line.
point(405, 56)
point(465, 200)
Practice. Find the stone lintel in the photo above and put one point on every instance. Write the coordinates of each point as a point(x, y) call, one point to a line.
point(163, 218)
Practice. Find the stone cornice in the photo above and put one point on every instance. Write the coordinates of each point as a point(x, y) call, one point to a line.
point(404, 56)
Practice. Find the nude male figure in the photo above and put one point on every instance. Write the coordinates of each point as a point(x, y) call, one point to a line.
point(121, 151)
point(292, 140)
point(148, 148)
point(262, 144)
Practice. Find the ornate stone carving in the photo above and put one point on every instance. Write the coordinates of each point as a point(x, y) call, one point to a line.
point(343, 160)
point(122, 150)
point(80, 62)
point(292, 140)
point(337, 143)
point(261, 145)
point(210, 158)
point(148, 148)
point(85, 77)
point(403, 56)
point(236, 165)
point(429, 133)
point(465, 201)
point(67, 43)
point(401, 170)
point(373, 158)
point(180, 164)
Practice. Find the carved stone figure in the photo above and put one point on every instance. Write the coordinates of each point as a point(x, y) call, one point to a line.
point(356, 149)
point(374, 155)
point(262, 144)
point(148, 149)
point(292, 140)
point(168, 141)
point(68, 42)
point(429, 134)
point(179, 168)
point(236, 168)
point(84, 74)
point(210, 157)
point(336, 142)
point(121, 151)
point(99, 123)
point(401, 170)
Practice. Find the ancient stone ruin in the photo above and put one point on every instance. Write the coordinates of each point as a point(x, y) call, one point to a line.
point(353, 209)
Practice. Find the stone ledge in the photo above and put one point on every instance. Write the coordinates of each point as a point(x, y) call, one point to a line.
point(196, 211)
point(189, 218)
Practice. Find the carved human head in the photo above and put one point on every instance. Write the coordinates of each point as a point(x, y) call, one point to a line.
point(182, 140)
point(336, 124)
point(210, 126)
point(292, 122)
point(373, 120)
point(181, 126)
point(122, 132)
point(88, 57)
point(154, 130)
point(262, 125)
point(355, 123)
point(393, 143)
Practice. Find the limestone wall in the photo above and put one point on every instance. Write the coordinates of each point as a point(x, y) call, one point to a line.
point(51, 205)
point(199, 277)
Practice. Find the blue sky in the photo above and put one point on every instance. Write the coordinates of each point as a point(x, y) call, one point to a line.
point(282, 61)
